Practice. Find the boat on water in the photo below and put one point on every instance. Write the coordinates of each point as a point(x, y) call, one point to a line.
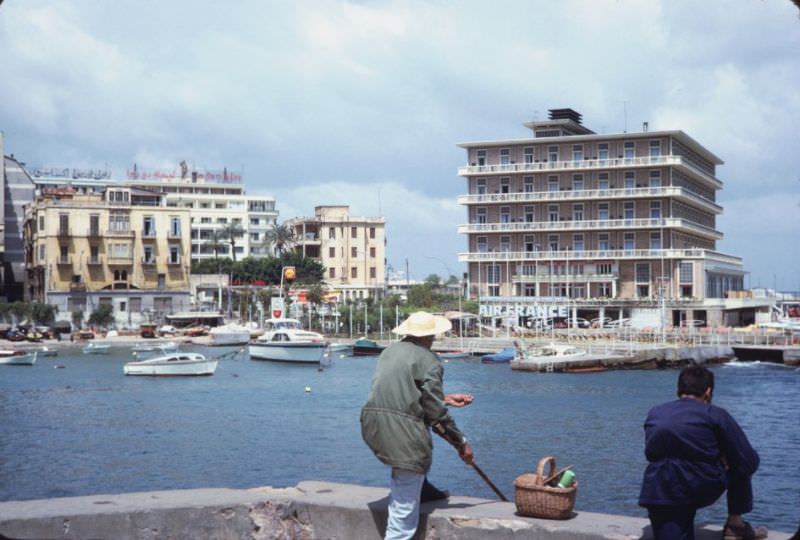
point(285, 340)
point(47, 351)
point(230, 334)
point(500, 357)
point(340, 349)
point(179, 364)
point(96, 348)
point(366, 347)
point(554, 357)
point(454, 355)
point(150, 347)
point(17, 358)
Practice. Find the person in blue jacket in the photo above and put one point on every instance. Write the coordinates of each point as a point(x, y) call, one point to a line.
point(695, 452)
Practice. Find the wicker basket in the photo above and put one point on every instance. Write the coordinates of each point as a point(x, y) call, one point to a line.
point(535, 499)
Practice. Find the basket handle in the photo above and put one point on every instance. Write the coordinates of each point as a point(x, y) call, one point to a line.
point(540, 476)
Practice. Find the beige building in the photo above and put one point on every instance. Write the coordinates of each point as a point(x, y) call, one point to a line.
point(569, 222)
point(120, 246)
point(352, 249)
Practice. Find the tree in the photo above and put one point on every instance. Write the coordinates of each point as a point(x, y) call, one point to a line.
point(230, 232)
point(280, 237)
point(420, 295)
point(217, 241)
point(433, 280)
point(103, 315)
point(43, 313)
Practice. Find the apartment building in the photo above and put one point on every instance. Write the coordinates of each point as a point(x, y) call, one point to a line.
point(352, 249)
point(215, 200)
point(121, 246)
point(16, 190)
point(571, 222)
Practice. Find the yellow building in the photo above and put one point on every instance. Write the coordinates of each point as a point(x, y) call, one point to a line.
point(121, 246)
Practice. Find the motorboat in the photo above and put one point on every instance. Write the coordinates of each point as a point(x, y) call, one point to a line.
point(47, 351)
point(366, 347)
point(17, 358)
point(146, 347)
point(552, 357)
point(255, 330)
point(285, 340)
point(454, 355)
point(230, 334)
point(179, 364)
point(340, 349)
point(500, 357)
point(96, 348)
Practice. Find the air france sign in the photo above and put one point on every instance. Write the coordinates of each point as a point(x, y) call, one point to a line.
point(534, 311)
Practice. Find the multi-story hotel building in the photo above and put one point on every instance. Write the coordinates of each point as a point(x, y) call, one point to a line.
point(215, 200)
point(120, 246)
point(571, 222)
point(352, 249)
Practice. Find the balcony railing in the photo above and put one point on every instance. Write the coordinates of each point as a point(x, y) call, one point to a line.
point(120, 232)
point(149, 235)
point(148, 261)
point(93, 232)
point(173, 262)
point(586, 164)
point(591, 194)
point(589, 225)
point(502, 256)
point(95, 261)
point(64, 260)
point(174, 235)
point(77, 287)
point(63, 231)
point(540, 278)
point(120, 260)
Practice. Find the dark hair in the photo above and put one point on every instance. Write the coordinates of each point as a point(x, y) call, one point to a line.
point(695, 380)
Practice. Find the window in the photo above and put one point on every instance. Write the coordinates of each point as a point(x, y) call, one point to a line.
point(205, 220)
point(148, 254)
point(643, 280)
point(372, 252)
point(174, 255)
point(493, 278)
point(577, 242)
point(602, 242)
point(630, 180)
point(577, 152)
point(629, 151)
point(63, 224)
point(372, 232)
point(552, 242)
point(480, 186)
point(175, 226)
point(552, 153)
point(505, 214)
point(655, 179)
point(655, 240)
point(602, 181)
point(372, 272)
point(120, 275)
point(604, 290)
point(41, 223)
point(162, 281)
point(353, 272)
point(331, 272)
point(94, 225)
point(552, 183)
point(655, 209)
point(655, 148)
point(505, 156)
point(528, 154)
point(254, 237)
point(481, 243)
point(686, 279)
point(123, 306)
point(222, 220)
point(577, 212)
point(528, 184)
point(628, 210)
point(504, 185)
point(577, 182)
point(529, 243)
point(602, 151)
point(135, 304)
point(630, 241)
point(332, 252)
point(480, 215)
point(480, 156)
point(505, 244)
point(119, 251)
point(604, 269)
point(602, 211)
point(529, 214)
point(331, 233)
point(219, 205)
point(354, 251)
point(353, 232)
point(552, 212)
point(42, 253)
point(148, 227)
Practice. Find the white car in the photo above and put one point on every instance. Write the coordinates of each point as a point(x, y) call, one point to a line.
point(167, 329)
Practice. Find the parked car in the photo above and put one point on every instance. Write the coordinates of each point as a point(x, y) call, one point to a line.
point(618, 323)
point(167, 330)
point(692, 323)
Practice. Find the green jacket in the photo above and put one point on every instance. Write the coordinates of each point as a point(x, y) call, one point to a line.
point(406, 398)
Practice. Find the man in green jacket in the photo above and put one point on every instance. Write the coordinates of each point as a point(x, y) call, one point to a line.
point(407, 401)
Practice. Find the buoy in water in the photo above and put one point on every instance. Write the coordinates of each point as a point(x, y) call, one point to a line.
point(308, 389)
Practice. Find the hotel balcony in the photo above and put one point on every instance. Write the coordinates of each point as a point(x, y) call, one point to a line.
point(679, 193)
point(591, 225)
point(591, 164)
point(63, 232)
point(149, 235)
point(564, 278)
point(148, 261)
point(93, 233)
point(95, 261)
point(64, 260)
point(120, 232)
point(613, 254)
point(174, 236)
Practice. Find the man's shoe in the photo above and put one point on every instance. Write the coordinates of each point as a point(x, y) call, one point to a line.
point(432, 493)
point(743, 532)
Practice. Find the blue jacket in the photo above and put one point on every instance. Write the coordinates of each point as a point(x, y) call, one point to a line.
point(685, 440)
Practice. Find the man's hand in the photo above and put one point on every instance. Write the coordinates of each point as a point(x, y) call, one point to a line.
point(465, 453)
point(458, 400)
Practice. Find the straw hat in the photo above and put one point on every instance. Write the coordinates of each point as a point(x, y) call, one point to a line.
point(421, 323)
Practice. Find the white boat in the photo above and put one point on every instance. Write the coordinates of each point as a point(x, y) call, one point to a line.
point(47, 351)
point(284, 340)
point(340, 349)
point(454, 355)
point(150, 347)
point(17, 358)
point(180, 364)
point(548, 354)
point(96, 348)
point(255, 330)
point(230, 334)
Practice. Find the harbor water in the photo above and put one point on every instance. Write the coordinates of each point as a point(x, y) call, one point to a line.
point(85, 428)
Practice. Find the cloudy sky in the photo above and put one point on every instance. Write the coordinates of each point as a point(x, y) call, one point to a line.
point(363, 103)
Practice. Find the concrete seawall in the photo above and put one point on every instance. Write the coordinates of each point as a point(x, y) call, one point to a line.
point(310, 510)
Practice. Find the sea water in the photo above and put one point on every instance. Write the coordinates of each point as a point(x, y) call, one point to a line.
point(85, 428)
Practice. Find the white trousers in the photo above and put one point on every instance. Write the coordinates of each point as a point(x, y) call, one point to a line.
point(403, 519)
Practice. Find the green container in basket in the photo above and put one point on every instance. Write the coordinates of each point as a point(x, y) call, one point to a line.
point(535, 499)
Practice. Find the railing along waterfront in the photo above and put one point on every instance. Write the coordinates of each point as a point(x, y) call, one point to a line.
point(590, 194)
point(494, 256)
point(622, 162)
point(590, 224)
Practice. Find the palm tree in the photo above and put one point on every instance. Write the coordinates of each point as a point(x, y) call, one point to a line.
point(231, 232)
point(280, 237)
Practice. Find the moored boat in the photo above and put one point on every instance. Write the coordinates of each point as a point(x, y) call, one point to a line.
point(149, 347)
point(285, 340)
point(500, 357)
point(454, 355)
point(366, 347)
point(179, 364)
point(47, 351)
point(230, 334)
point(17, 358)
point(96, 348)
